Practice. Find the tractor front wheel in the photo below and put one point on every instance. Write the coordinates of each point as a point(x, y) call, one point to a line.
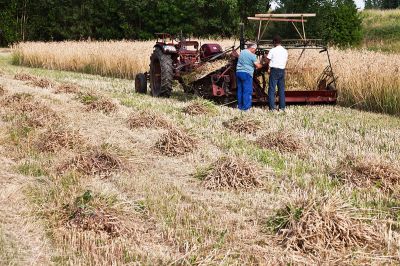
point(161, 74)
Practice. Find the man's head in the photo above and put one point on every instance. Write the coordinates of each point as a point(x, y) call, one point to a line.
point(277, 40)
point(252, 47)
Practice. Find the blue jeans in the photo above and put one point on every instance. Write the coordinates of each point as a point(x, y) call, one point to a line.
point(244, 90)
point(276, 77)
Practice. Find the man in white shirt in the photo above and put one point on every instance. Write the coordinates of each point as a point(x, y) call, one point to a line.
point(277, 59)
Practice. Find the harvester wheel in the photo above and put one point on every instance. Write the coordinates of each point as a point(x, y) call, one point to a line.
point(161, 74)
point(141, 83)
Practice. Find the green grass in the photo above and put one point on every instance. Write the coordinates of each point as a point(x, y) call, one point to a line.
point(382, 30)
point(31, 169)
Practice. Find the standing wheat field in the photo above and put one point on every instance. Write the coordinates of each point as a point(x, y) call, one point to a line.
point(367, 80)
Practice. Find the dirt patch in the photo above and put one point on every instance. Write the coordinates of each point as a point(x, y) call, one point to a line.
point(147, 119)
point(54, 139)
point(101, 162)
point(323, 228)
point(197, 108)
point(176, 142)
point(232, 173)
point(243, 125)
point(368, 172)
point(24, 77)
point(281, 141)
point(41, 83)
point(67, 88)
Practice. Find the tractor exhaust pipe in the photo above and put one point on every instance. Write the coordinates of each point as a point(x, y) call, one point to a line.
point(242, 40)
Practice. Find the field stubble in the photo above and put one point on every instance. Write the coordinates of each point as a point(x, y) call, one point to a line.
point(190, 224)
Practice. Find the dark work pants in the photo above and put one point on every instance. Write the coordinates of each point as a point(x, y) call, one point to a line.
point(276, 77)
point(244, 90)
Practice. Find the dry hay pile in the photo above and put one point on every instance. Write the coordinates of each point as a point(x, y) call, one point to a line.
point(324, 229)
point(103, 104)
point(34, 114)
point(41, 83)
point(96, 220)
point(17, 98)
point(87, 213)
point(368, 172)
point(204, 70)
point(243, 125)
point(24, 77)
point(197, 108)
point(96, 162)
point(281, 141)
point(54, 139)
point(176, 142)
point(34, 81)
point(96, 102)
point(148, 119)
point(67, 88)
point(232, 172)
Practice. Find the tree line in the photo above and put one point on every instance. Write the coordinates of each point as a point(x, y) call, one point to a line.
point(58, 20)
point(121, 19)
point(382, 4)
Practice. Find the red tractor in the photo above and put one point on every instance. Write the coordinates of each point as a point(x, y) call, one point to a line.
point(173, 60)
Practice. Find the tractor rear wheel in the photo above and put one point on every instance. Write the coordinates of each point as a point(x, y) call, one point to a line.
point(141, 83)
point(161, 74)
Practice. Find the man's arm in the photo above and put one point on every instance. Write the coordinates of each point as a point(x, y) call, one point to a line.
point(258, 65)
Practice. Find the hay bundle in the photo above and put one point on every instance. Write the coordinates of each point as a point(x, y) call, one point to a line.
point(148, 119)
point(204, 70)
point(367, 172)
point(67, 88)
point(24, 77)
point(41, 83)
point(87, 213)
point(17, 98)
point(281, 141)
point(33, 113)
point(96, 162)
point(2, 90)
point(41, 116)
point(95, 219)
point(54, 139)
point(243, 125)
point(197, 108)
point(323, 228)
point(176, 142)
point(232, 172)
point(103, 105)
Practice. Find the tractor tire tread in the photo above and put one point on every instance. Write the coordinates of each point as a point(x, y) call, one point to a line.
point(167, 73)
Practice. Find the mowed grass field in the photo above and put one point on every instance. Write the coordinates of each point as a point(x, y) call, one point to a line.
point(365, 79)
point(94, 174)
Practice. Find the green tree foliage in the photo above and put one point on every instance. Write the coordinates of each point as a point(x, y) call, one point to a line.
point(337, 22)
point(382, 4)
point(121, 19)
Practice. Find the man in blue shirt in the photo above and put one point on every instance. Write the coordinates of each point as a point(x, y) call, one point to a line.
point(244, 75)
